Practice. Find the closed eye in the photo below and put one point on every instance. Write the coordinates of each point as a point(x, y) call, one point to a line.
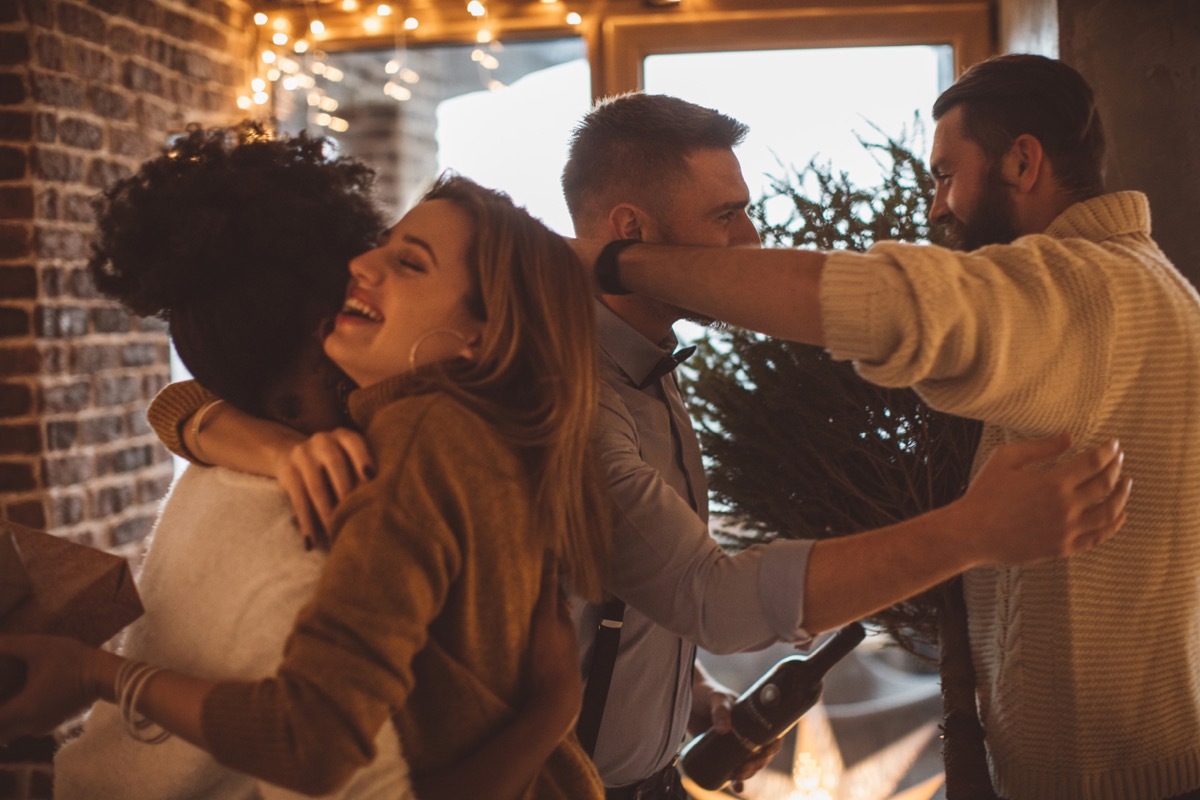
point(409, 264)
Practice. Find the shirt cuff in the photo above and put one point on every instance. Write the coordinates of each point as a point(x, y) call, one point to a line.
point(783, 573)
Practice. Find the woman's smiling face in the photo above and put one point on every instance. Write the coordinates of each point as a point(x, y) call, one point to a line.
point(406, 304)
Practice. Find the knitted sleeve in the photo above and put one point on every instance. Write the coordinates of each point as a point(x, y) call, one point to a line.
point(349, 659)
point(172, 408)
point(1019, 335)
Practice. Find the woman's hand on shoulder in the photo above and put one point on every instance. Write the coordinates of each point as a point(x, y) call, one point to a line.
point(318, 473)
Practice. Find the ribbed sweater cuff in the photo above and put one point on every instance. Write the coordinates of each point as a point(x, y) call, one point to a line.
point(171, 408)
point(229, 721)
point(847, 283)
point(238, 733)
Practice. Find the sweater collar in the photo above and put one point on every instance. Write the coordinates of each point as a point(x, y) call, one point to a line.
point(365, 403)
point(1097, 219)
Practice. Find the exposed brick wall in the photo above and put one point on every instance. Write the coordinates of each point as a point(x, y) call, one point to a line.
point(87, 91)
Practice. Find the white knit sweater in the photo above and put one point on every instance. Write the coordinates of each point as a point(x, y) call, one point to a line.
point(1088, 668)
point(225, 575)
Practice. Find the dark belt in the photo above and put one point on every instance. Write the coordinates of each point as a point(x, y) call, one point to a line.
point(662, 785)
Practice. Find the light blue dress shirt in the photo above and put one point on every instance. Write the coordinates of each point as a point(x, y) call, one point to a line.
point(681, 590)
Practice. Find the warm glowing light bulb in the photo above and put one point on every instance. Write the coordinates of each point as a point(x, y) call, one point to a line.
point(260, 18)
point(258, 85)
point(273, 75)
point(391, 67)
point(289, 66)
point(477, 55)
point(280, 39)
point(318, 68)
point(372, 24)
point(338, 124)
point(268, 56)
point(243, 102)
point(484, 36)
point(495, 85)
point(314, 98)
point(574, 19)
point(333, 74)
point(411, 24)
point(317, 27)
point(349, 5)
point(549, 2)
point(261, 98)
point(323, 120)
point(280, 24)
point(489, 62)
point(396, 91)
point(409, 75)
point(300, 46)
point(476, 8)
point(383, 10)
point(289, 83)
point(328, 104)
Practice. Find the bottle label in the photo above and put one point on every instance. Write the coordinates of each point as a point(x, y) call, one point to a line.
point(762, 728)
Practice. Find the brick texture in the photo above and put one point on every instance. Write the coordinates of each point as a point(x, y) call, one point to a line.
point(89, 89)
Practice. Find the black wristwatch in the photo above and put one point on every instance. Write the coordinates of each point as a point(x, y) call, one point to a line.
point(607, 272)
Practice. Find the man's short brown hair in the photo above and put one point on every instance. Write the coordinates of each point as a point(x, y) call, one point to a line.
point(635, 143)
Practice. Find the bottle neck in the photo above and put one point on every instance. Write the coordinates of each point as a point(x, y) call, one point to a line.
point(835, 648)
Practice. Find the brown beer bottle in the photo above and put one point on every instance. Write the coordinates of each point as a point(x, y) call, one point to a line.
point(765, 711)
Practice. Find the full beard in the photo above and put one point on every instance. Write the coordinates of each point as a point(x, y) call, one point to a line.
point(993, 220)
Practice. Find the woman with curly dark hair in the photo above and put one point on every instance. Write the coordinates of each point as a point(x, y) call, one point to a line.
point(240, 242)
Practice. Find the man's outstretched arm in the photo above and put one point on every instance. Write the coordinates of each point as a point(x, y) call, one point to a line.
point(776, 292)
point(1014, 513)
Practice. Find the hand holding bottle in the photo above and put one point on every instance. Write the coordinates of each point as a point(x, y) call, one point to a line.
point(765, 711)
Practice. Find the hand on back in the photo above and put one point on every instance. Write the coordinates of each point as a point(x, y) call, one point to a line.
point(1018, 513)
point(318, 473)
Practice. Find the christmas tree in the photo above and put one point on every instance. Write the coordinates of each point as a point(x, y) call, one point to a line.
point(800, 447)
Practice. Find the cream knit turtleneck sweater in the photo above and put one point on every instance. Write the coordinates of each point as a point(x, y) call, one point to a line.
point(1088, 668)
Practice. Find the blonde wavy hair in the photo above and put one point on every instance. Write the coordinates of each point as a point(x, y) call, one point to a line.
point(535, 377)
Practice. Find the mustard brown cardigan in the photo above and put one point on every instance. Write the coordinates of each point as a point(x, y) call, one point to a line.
point(422, 610)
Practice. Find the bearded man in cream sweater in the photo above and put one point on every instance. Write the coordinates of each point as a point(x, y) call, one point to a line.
point(1059, 312)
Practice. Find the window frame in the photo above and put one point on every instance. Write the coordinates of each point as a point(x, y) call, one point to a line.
point(620, 34)
point(626, 41)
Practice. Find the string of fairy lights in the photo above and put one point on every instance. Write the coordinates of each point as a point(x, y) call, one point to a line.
point(290, 57)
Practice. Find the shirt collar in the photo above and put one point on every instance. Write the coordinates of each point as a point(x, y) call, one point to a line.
point(634, 354)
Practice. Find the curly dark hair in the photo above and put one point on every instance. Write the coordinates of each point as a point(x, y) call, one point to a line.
point(240, 241)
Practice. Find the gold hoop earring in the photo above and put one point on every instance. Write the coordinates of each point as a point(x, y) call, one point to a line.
point(412, 351)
